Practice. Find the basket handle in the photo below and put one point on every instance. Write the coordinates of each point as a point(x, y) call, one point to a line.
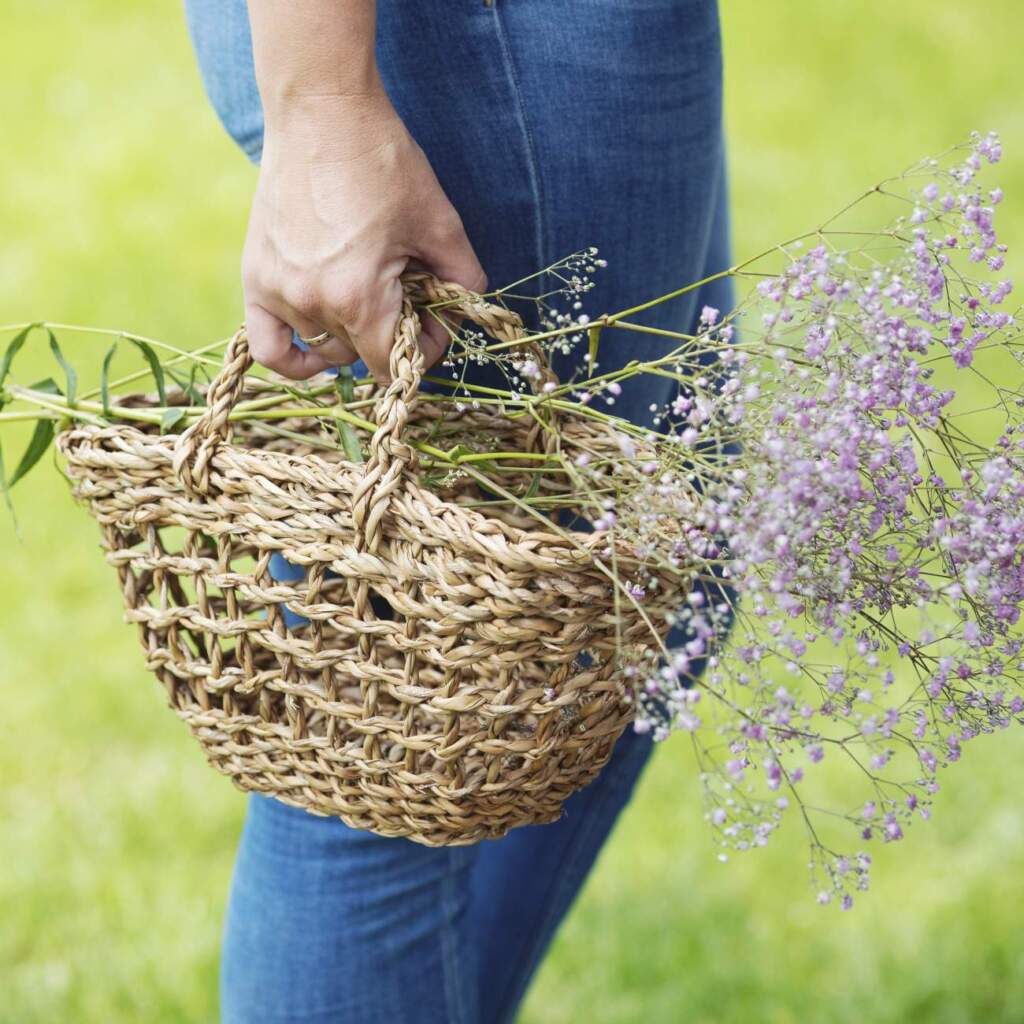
point(196, 446)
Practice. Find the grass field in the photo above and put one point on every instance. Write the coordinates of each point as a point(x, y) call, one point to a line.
point(122, 205)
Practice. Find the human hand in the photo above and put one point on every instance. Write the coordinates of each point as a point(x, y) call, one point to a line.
point(346, 201)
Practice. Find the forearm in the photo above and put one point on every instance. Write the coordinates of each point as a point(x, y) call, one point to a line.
point(345, 198)
point(315, 60)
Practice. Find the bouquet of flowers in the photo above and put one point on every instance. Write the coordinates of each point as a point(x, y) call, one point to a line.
point(832, 505)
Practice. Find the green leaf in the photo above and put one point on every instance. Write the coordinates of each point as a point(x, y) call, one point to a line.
point(188, 385)
point(105, 380)
point(5, 490)
point(37, 446)
point(170, 419)
point(69, 370)
point(345, 384)
point(8, 357)
point(154, 367)
point(346, 432)
point(350, 442)
point(593, 340)
point(47, 385)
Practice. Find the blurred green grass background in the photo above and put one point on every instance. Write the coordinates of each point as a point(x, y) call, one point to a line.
point(123, 205)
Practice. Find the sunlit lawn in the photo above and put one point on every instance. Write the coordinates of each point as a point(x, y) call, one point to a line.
point(122, 205)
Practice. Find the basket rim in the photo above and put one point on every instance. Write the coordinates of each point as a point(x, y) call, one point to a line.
point(329, 468)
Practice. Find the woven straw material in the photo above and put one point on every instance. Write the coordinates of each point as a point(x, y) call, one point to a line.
point(457, 674)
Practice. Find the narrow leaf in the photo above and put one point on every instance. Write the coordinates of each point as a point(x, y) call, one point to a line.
point(37, 446)
point(350, 442)
point(593, 340)
point(48, 385)
point(349, 438)
point(69, 371)
point(8, 357)
point(105, 380)
point(5, 490)
point(154, 367)
point(170, 419)
point(188, 385)
point(346, 384)
point(457, 451)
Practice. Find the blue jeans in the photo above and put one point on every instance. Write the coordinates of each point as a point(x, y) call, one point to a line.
point(552, 125)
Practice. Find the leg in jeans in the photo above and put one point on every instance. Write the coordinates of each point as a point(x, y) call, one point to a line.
point(524, 884)
point(327, 924)
point(552, 125)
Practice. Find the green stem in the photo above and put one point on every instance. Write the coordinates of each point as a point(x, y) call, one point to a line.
point(91, 412)
point(24, 417)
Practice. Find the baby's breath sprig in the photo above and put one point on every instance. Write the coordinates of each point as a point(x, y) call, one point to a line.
point(833, 496)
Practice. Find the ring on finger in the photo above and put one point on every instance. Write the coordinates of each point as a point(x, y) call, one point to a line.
point(317, 339)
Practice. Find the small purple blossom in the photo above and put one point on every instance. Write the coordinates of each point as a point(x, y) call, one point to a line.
point(874, 554)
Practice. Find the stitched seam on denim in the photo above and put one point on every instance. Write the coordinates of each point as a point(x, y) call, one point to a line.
point(510, 999)
point(532, 163)
point(455, 1006)
point(713, 208)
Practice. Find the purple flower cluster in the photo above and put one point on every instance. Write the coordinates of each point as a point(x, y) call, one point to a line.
point(852, 468)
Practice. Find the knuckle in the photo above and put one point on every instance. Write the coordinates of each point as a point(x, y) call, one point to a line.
point(254, 289)
point(304, 297)
point(348, 303)
point(254, 278)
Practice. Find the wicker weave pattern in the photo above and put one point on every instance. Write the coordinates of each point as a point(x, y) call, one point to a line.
point(417, 702)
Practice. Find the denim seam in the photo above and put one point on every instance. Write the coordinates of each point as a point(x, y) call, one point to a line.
point(532, 163)
point(455, 1005)
point(595, 815)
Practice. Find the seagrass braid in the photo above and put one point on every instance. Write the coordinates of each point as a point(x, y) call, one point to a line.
point(381, 477)
point(388, 454)
point(501, 323)
point(195, 447)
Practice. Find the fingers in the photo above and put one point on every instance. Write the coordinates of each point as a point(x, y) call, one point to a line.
point(358, 308)
point(370, 314)
point(270, 342)
point(337, 350)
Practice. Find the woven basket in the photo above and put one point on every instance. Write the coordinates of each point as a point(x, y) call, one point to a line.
point(457, 673)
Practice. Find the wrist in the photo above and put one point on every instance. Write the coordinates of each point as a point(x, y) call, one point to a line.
point(331, 125)
point(282, 90)
point(310, 50)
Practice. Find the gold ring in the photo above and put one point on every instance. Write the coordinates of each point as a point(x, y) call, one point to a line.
point(317, 340)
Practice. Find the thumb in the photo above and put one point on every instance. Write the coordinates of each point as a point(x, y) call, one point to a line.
point(450, 258)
